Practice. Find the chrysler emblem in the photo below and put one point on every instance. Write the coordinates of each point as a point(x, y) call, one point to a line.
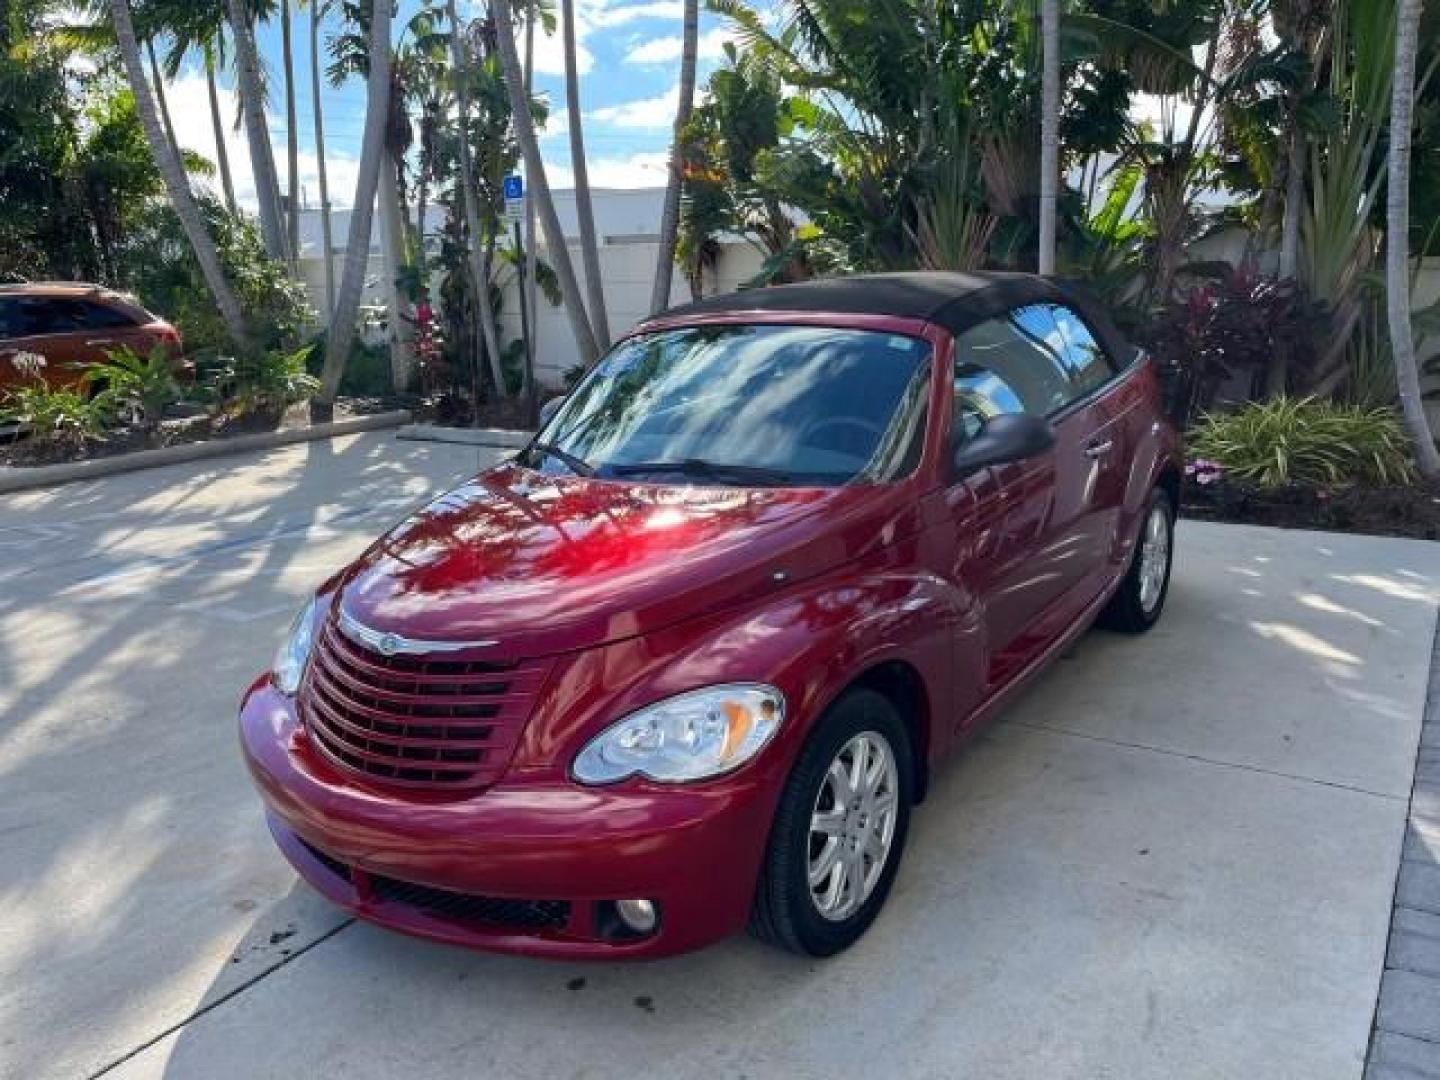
point(387, 643)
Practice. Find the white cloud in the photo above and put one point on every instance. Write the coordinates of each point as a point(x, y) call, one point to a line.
point(655, 112)
point(590, 16)
point(190, 111)
point(648, 169)
point(666, 50)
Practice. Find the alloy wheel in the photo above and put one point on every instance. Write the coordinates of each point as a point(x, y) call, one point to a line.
point(852, 825)
point(1154, 558)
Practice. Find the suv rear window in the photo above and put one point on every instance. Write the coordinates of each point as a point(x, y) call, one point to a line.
point(30, 316)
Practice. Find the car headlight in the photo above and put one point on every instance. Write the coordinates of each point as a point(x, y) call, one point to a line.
point(289, 666)
point(690, 737)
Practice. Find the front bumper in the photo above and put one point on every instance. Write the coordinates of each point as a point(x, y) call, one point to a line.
point(694, 851)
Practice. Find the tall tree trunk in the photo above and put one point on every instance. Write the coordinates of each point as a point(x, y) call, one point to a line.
point(540, 186)
point(670, 215)
point(177, 184)
point(392, 249)
point(490, 332)
point(160, 99)
point(257, 129)
point(479, 270)
point(317, 11)
point(217, 124)
point(1397, 240)
point(589, 251)
point(357, 252)
point(292, 137)
point(1277, 372)
point(1049, 131)
point(530, 293)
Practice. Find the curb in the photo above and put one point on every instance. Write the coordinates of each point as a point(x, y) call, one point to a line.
point(23, 479)
point(502, 438)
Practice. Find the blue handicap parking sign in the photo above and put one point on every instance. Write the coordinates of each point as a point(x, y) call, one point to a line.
point(514, 187)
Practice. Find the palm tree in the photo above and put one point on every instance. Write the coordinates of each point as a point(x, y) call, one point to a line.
point(529, 297)
point(1397, 241)
point(341, 335)
point(292, 136)
point(540, 188)
point(217, 124)
point(589, 251)
point(160, 99)
point(469, 184)
point(318, 8)
point(1049, 131)
point(252, 103)
point(176, 182)
point(670, 216)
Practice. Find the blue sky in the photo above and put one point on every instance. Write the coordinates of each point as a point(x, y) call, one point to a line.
point(629, 61)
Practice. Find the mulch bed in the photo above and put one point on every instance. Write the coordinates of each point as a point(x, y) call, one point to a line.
point(25, 452)
point(1375, 511)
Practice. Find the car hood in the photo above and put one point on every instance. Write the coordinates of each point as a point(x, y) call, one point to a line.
point(539, 564)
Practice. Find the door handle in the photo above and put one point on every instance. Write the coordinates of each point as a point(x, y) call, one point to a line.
point(1099, 449)
point(100, 341)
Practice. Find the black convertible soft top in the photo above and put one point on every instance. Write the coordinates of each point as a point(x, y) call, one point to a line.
point(955, 301)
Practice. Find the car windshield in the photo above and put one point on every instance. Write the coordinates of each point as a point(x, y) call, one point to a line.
point(749, 405)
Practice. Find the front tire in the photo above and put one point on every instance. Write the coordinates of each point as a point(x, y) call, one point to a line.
point(839, 831)
point(1138, 604)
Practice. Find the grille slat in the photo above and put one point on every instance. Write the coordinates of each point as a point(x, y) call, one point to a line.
point(390, 718)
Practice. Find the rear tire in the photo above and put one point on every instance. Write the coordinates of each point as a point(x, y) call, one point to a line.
point(835, 844)
point(1140, 600)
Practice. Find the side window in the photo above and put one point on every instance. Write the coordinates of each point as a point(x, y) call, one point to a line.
point(1000, 367)
point(103, 317)
point(1089, 365)
point(1063, 335)
point(38, 315)
point(9, 317)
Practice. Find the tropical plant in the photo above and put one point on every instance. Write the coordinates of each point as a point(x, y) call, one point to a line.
point(1397, 244)
point(55, 415)
point(172, 170)
point(1231, 326)
point(584, 212)
point(478, 223)
point(341, 334)
point(524, 128)
point(670, 214)
point(318, 11)
point(262, 384)
point(1306, 441)
point(138, 387)
point(153, 260)
point(251, 89)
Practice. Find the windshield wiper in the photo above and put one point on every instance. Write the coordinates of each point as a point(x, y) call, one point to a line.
point(577, 465)
point(709, 470)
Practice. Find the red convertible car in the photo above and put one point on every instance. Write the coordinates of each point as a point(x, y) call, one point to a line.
point(688, 661)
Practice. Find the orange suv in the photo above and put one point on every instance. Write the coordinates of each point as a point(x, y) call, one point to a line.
point(72, 324)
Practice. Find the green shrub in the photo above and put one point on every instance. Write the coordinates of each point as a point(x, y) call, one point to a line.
point(158, 265)
point(56, 415)
point(138, 388)
point(1306, 441)
point(263, 384)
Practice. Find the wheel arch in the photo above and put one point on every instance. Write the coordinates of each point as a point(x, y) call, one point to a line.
point(901, 683)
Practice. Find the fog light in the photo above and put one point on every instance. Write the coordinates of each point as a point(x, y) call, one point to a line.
point(637, 915)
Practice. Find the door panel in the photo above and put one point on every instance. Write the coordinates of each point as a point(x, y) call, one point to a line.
point(1058, 512)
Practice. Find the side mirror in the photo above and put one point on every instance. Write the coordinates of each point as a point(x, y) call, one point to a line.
point(550, 408)
point(1004, 438)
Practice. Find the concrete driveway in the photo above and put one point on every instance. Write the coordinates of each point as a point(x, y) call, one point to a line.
point(1174, 858)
